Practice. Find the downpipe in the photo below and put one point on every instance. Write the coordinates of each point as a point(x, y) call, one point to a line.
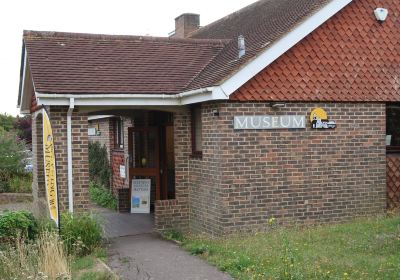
point(69, 153)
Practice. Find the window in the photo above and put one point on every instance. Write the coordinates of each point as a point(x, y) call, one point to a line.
point(196, 131)
point(393, 127)
point(119, 134)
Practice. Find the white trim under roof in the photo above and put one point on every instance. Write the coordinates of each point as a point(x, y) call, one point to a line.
point(221, 92)
point(189, 97)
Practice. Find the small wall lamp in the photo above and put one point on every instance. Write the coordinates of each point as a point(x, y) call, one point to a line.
point(215, 112)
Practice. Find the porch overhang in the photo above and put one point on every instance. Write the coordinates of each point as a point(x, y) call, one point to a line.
point(116, 100)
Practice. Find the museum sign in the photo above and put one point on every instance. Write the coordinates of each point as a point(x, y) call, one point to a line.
point(269, 122)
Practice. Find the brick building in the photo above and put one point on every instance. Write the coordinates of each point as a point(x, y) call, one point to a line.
point(285, 109)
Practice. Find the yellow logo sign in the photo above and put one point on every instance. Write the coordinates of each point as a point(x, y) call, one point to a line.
point(50, 168)
point(319, 119)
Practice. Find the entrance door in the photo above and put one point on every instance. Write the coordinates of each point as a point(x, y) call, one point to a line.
point(144, 157)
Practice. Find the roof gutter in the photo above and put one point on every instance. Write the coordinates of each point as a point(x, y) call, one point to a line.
point(81, 99)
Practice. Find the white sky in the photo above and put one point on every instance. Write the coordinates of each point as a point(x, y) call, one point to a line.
point(128, 17)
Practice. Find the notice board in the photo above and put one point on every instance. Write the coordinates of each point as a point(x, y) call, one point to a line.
point(140, 196)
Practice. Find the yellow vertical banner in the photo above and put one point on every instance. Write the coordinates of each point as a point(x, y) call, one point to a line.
point(50, 168)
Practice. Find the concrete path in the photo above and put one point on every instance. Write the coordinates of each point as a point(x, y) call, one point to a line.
point(137, 253)
point(149, 257)
point(124, 224)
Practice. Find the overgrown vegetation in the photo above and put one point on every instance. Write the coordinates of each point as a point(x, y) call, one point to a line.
point(31, 249)
point(81, 233)
point(101, 196)
point(12, 174)
point(99, 165)
point(363, 249)
point(44, 258)
point(14, 134)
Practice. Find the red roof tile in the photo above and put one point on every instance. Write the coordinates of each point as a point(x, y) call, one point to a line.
point(261, 24)
point(352, 57)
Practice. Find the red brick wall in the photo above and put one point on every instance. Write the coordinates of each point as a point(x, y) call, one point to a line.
point(206, 192)
point(306, 176)
point(80, 166)
point(117, 161)
point(175, 213)
point(38, 180)
point(80, 171)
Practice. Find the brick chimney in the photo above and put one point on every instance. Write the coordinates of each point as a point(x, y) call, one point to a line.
point(185, 24)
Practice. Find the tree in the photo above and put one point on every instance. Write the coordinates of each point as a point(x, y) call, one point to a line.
point(11, 157)
point(24, 127)
point(7, 122)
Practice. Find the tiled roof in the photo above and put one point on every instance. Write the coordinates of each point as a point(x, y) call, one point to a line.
point(84, 63)
point(261, 24)
point(352, 57)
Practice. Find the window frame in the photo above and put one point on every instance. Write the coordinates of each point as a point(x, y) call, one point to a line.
point(119, 134)
point(196, 153)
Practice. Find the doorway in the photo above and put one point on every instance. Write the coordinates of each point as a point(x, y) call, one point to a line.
point(151, 153)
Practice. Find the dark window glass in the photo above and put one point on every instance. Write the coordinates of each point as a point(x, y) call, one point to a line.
point(393, 126)
point(119, 133)
point(197, 141)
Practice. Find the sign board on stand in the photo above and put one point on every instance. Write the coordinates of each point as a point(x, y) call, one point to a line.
point(140, 196)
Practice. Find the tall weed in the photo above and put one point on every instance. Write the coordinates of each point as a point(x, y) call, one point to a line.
point(44, 258)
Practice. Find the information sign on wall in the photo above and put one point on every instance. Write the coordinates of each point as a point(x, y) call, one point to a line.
point(269, 122)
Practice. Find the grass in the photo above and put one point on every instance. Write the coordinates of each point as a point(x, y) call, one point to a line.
point(362, 249)
point(90, 268)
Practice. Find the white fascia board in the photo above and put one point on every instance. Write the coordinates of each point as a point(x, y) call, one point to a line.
point(282, 45)
point(23, 106)
point(208, 94)
point(106, 101)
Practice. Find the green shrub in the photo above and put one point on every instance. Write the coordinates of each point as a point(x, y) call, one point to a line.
point(11, 155)
point(81, 233)
point(15, 224)
point(99, 165)
point(101, 196)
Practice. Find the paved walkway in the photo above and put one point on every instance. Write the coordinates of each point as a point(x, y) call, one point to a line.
point(125, 224)
point(137, 253)
point(149, 257)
